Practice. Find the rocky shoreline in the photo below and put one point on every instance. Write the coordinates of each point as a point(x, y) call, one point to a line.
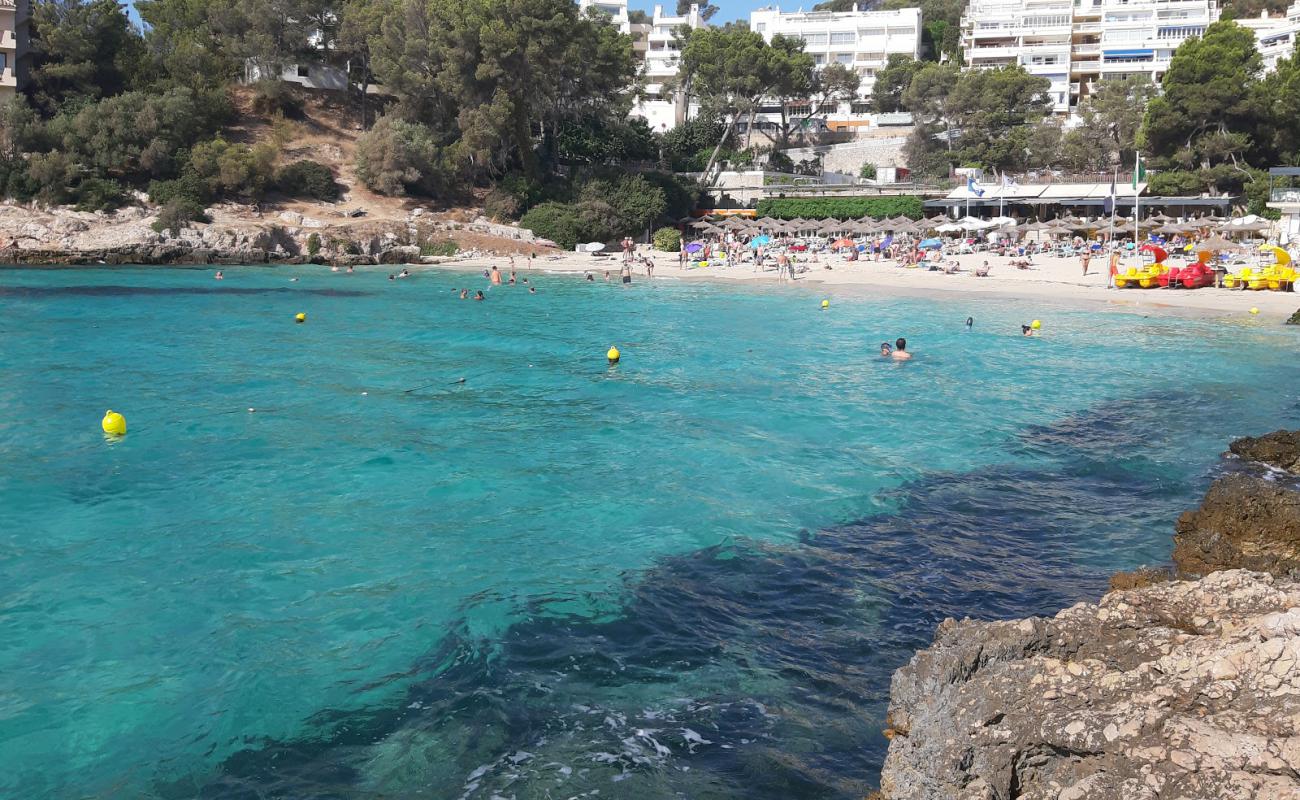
point(1186, 685)
point(240, 234)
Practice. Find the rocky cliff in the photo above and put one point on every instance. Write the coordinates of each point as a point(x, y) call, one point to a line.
point(1182, 689)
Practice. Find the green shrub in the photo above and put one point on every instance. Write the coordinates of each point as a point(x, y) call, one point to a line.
point(622, 207)
point(868, 172)
point(188, 187)
point(396, 157)
point(273, 96)
point(446, 247)
point(177, 214)
point(233, 169)
point(780, 162)
point(307, 179)
point(501, 205)
point(100, 194)
point(668, 240)
point(313, 245)
point(841, 207)
point(562, 223)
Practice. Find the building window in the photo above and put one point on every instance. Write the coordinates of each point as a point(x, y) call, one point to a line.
point(814, 39)
point(848, 37)
point(819, 59)
point(760, 27)
point(871, 31)
point(798, 109)
point(843, 58)
point(304, 72)
point(860, 108)
point(900, 31)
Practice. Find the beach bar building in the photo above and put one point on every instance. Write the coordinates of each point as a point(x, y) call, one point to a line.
point(1046, 201)
point(1284, 196)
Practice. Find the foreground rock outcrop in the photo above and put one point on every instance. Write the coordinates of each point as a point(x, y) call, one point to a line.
point(1244, 522)
point(1175, 689)
point(1187, 689)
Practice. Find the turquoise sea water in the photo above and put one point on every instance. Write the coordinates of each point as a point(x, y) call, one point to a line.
point(688, 575)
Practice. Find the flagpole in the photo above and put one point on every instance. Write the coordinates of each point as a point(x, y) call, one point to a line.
point(1137, 167)
point(1110, 257)
point(1111, 235)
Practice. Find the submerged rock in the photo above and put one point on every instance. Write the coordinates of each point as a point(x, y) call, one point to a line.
point(1180, 689)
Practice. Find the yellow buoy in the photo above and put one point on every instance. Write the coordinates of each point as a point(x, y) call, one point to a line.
point(1254, 311)
point(826, 304)
point(612, 355)
point(300, 317)
point(1036, 324)
point(114, 424)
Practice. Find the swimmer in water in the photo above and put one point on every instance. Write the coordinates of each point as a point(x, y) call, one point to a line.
point(350, 270)
point(479, 295)
point(219, 276)
point(405, 273)
point(885, 350)
point(334, 268)
point(392, 277)
point(512, 274)
point(464, 294)
point(900, 350)
point(532, 290)
point(1026, 330)
point(970, 322)
point(591, 278)
point(293, 280)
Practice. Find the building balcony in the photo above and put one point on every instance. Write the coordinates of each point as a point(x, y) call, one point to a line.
point(1086, 50)
point(8, 78)
point(1283, 196)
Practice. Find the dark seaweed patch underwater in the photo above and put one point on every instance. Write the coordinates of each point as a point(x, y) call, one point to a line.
point(754, 671)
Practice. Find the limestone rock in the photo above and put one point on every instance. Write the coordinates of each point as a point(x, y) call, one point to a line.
point(1185, 689)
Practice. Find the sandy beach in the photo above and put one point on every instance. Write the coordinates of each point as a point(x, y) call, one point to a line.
point(1054, 279)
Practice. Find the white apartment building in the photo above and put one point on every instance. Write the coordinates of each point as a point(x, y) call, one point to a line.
point(654, 44)
point(664, 109)
point(14, 45)
point(1075, 43)
point(1275, 36)
point(861, 40)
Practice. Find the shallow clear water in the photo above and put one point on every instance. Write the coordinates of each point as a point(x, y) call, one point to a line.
point(690, 575)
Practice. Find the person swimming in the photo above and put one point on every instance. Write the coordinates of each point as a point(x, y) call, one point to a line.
point(1026, 330)
point(900, 350)
point(464, 294)
point(405, 273)
point(885, 350)
point(479, 295)
point(392, 277)
point(350, 270)
point(970, 322)
point(532, 290)
point(591, 278)
point(219, 276)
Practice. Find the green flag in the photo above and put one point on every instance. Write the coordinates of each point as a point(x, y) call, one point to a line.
point(1139, 172)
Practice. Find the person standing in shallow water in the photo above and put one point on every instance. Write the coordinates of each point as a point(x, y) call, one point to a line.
point(900, 350)
point(496, 276)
